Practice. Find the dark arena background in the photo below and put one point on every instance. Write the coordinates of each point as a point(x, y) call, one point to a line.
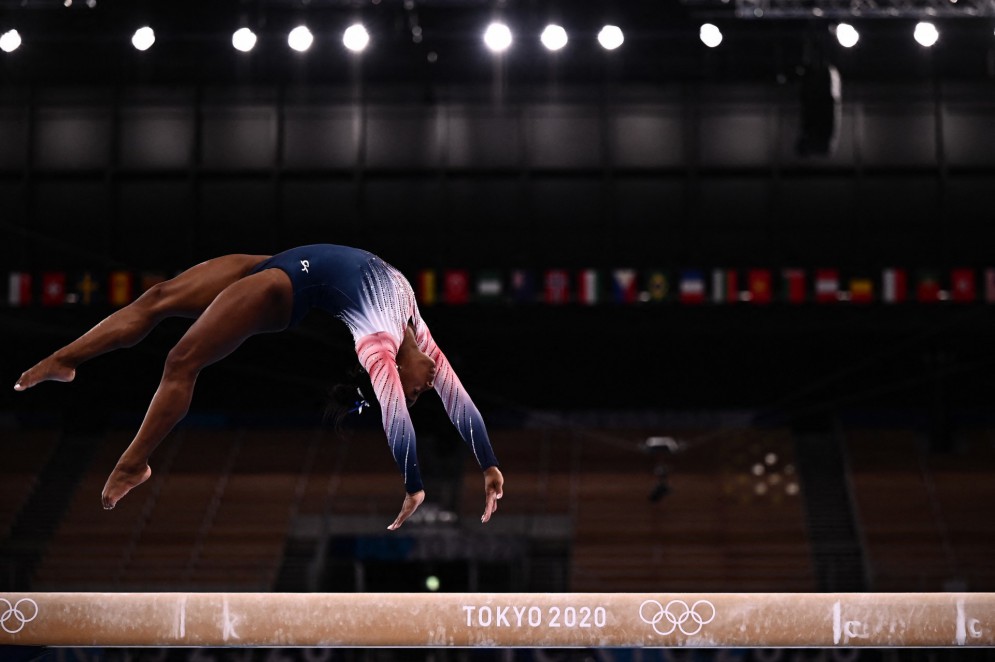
point(728, 309)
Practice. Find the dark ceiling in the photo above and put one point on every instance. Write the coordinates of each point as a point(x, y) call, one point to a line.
point(83, 45)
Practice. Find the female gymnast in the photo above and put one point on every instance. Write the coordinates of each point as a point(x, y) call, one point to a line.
point(236, 296)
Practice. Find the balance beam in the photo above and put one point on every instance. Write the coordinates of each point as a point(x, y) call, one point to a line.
point(534, 620)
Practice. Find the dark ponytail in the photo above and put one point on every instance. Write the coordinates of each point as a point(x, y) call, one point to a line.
point(353, 395)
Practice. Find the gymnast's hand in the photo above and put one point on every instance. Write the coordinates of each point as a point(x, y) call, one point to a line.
point(410, 505)
point(493, 490)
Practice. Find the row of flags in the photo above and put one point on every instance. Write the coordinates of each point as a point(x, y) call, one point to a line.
point(584, 286)
point(699, 286)
point(59, 288)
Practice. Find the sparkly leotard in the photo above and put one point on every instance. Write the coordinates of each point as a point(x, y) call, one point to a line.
point(377, 303)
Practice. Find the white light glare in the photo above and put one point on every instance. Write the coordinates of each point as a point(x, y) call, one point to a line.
point(610, 37)
point(9, 41)
point(554, 37)
point(143, 38)
point(710, 35)
point(847, 35)
point(243, 40)
point(497, 37)
point(355, 38)
point(926, 34)
point(300, 38)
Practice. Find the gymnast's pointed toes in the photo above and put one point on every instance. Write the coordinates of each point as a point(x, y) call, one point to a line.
point(24, 382)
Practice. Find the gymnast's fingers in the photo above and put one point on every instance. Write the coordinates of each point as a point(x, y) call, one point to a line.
point(490, 506)
point(410, 505)
point(493, 490)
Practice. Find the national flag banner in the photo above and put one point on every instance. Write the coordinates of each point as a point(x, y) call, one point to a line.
point(624, 286)
point(522, 285)
point(861, 290)
point(758, 283)
point(83, 289)
point(19, 289)
point(928, 287)
point(894, 285)
point(827, 285)
point(53, 288)
point(990, 285)
point(691, 286)
point(150, 279)
point(120, 288)
point(456, 286)
point(589, 287)
point(794, 285)
point(963, 286)
point(490, 285)
point(556, 286)
point(657, 286)
point(725, 286)
point(426, 286)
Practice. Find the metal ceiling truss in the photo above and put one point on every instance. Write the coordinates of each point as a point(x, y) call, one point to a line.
point(845, 9)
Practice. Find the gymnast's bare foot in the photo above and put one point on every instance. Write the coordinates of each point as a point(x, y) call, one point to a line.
point(121, 481)
point(50, 369)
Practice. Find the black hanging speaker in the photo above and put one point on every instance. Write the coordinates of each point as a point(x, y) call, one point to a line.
point(820, 110)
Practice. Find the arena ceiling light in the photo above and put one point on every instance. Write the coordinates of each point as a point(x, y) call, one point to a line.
point(356, 38)
point(300, 38)
point(554, 37)
point(847, 35)
point(611, 37)
point(497, 37)
point(243, 40)
point(143, 38)
point(926, 34)
point(10, 41)
point(710, 35)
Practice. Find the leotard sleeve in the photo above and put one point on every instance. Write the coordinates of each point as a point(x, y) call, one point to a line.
point(460, 408)
point(377, 353)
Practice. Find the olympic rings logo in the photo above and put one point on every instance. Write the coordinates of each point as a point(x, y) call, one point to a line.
point(677, 614)
point(14, 613)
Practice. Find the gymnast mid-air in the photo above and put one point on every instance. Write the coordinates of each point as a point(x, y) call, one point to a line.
point(237, 296)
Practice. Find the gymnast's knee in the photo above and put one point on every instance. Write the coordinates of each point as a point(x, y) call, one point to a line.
point(181, 364)
point(155, 301)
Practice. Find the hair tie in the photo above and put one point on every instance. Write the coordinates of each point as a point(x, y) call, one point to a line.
point(360, 404)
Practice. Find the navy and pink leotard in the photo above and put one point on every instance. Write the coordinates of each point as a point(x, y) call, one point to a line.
point(376, 302)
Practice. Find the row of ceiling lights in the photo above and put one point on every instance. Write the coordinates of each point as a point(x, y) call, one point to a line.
point(498, 37)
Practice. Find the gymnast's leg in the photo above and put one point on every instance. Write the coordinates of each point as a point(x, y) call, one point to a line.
point(255, 304)
point(187, 295)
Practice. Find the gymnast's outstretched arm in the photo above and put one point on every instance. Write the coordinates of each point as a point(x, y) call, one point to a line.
point(465, 416)
point(377, 354)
